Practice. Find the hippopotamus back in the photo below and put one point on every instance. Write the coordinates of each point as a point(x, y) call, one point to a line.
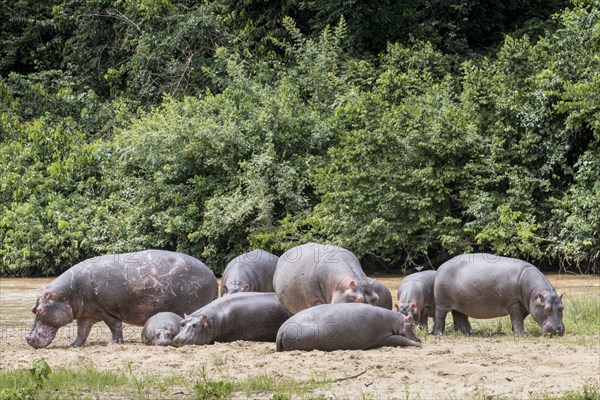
point(313, 274)
point(249, 272)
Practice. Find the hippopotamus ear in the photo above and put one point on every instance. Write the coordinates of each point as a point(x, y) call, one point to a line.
point(397, 307)
point(413, 305)
point(371, 281)
point(353, 285)
point(245, 286)
point(224, 289)
point(540, 297)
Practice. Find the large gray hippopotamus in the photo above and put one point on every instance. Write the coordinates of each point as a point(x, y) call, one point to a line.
point(119, 288)
point(161, 328)
point(313, 274)
point(350, 326)
point(488, 286)
point(248, 316)
point(415, 296)
point(249, 272)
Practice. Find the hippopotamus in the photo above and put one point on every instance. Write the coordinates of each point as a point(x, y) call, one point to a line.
point(251, 316)
point(249, 272)
point(117, 288)
point(346, 326)
point(415, 296)
point(313, 274)
point(488, 286)
point(161, 328)
point(385, 296)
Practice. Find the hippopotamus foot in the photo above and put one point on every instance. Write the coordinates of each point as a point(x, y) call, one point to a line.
point(399, 340)
point(461, 323)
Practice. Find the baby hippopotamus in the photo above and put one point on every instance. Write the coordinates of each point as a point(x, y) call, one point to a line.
point(117, 288)
point(488, 286)
point(346, 326)
point(415, 296)
point(161, 329)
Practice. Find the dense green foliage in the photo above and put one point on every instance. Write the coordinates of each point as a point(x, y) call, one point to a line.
point(404, 131)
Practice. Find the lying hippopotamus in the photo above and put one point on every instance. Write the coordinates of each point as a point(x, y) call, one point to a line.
point(248, 316)
point(384, 294)
point(250, 272)
point(352, 326)
point(487, 286)
point(119, 288)
point(313, 274)
point(415, 296)
point(161, 328)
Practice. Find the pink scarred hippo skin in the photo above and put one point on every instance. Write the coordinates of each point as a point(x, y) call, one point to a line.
point(249, 272)
point(313, 274)
point(488, 286)
point(117, 288)
point(415, 296)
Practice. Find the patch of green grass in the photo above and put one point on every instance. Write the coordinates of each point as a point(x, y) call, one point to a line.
point(88, 382)
point(587, 392)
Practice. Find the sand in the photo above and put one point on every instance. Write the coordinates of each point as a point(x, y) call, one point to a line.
point(450, 366)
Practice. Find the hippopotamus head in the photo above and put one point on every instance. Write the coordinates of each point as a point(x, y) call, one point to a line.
point(195, 329)
point(409, 309)
point(546, 308)
point(51, 313)
point(405, 327)
point(234, 286)
point(356, 292)
point(161, 336)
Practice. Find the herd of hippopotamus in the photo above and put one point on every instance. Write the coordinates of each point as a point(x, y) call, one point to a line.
point(313, 297)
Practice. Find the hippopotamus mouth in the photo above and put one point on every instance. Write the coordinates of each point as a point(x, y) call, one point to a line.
point(550, 329)
point(41, 335)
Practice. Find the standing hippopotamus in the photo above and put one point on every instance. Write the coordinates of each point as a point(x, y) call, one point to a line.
point(161, 328)
point(415, 296)
point(240, 316)
point(351, 326)
point(119, 288)
point(488, 286)
point(385, 296)
point(313, 274)
point(250, 272)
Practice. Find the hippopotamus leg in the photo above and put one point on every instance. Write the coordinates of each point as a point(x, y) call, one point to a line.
point(116, 327)
point(424, 317)
point(461, 322)
point(517, 316)
point(439, 323)
point(398, 340)
point(83, 330)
